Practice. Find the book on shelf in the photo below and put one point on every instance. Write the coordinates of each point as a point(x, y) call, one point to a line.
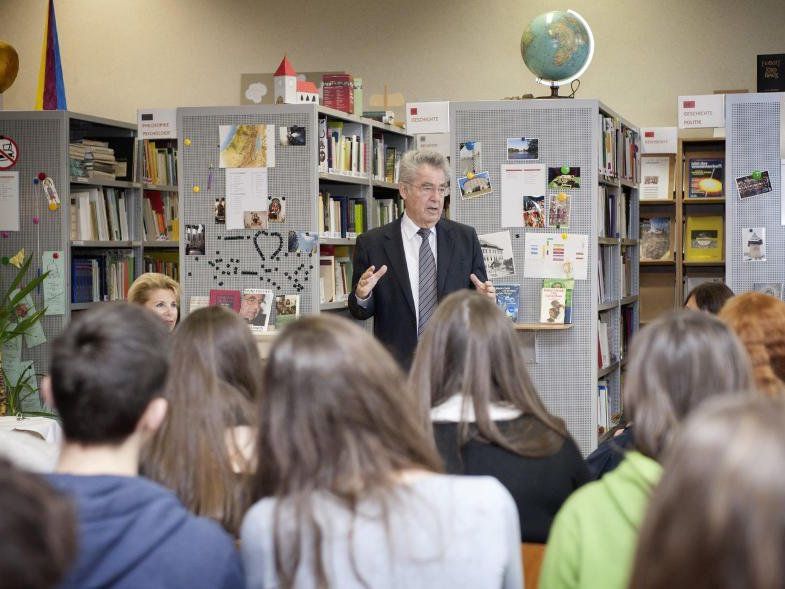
point(324, 164)
point(655, 176)
point(601, 278)
point(627, 328)
point(705, 177)
point(606, 149)
point(160, 212)
point(612, 213)
point(225, 298)
point(346, 151)
point(99, 214)
point(388, 209)
point(101, 277)
point(568, 284)
point(162, 262)
point(703, 238)
point(552, 304)
point(96, 160)
point(338, 92)
point(630, 146)
point(287, 309)
point(507, 299)
point(604, 355)
point(326, 279)
point(603, 404)
point(160, 162)
point(628, 262)
point(656, 239)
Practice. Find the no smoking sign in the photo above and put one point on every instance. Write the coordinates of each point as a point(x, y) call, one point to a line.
point(9, 153)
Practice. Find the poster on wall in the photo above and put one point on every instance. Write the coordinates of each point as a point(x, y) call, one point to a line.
point(556, 255)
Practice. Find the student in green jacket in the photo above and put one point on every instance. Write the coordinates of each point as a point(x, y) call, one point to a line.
point(675, 363)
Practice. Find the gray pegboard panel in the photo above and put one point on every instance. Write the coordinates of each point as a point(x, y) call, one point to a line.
point(42, 139)
point(567, 360)
point(293, 177)
point(753, 143)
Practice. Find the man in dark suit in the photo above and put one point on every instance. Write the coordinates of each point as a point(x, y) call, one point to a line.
point(402, 270)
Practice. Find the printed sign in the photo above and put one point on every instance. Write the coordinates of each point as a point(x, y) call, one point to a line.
point(705, 111)
point(9, 153)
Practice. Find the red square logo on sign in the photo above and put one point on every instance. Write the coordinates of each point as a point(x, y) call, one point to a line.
point(689, 104)
point(413, 110)
point(649, 134)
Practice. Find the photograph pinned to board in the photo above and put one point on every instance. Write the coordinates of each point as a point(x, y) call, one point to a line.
point(302, 242)
point(534, 211)
point(517, 181)
point(293, 135)
point(755, 184)
point(523, 148)
point(559, 211)
point(246, 146)
point(470, 158)
point(219, 211)
point(754, 244)
point(255, 219)
point(287, 309)
point(476, 186)
point(564, 178)
point(706, 177)
point(255, 306)
point(497, 254)
point(773, 289)
point(276, 210)
point(194, 240)
point(556, 255)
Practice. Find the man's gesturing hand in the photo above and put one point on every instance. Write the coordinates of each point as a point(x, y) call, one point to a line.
point(368, 280)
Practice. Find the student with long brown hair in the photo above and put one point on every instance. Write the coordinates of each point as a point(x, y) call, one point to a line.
point(487, 417)
point(203, 451)
point(676, 363)
point(349, 494)
point(716, 518)
point(759, 321)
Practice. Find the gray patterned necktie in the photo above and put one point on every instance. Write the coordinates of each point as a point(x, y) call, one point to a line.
point(427, 303)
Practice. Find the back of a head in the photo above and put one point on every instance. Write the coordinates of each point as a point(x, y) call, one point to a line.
point(710, 296)
point(106, 367)
point(759, 321)
point(676, 363)
point(470, 348)
point(38, 531)
point(335, 414)
point(716, 519)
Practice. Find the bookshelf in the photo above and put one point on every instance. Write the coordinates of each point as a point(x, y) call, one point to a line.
point(588, 135)
point(44, 139)
point(331, 189)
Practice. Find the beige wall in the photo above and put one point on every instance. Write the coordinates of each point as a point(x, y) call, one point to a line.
point(120, 55)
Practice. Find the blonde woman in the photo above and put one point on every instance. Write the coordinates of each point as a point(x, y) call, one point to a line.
point(160, 294)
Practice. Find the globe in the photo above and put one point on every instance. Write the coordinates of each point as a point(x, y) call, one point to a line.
point(557, 47)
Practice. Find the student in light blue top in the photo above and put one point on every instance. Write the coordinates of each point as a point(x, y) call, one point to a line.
point(348, 484)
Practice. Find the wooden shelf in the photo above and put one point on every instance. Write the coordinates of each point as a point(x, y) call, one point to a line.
point(541, 326)
point(607, 370)
point(715, 264)
point(608, 240)
point(334, 306)
point(337, 240)
point(629, 242)
point(607, 305)
point(657, 263)
point(159, 187)
point(628, 300)
point(83, 306)
point(384, 184)
point(627, 183)
point(160, 244)
point(106, 244)
point(608, 181)
point(657, 201)
point(703, 201)
point(343, 178)
point(108, 183)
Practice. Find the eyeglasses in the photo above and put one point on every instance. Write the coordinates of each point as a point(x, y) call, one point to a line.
point(429, 188)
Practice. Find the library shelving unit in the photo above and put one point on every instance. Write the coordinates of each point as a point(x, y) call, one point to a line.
point(753, 135)
point(43, 139)
point(584, 134)
point(328, 197)
point(160, 206)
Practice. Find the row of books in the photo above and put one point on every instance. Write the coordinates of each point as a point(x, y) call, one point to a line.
point(630, 149)
point(342, 148)
point(99, 214)
point(335, 275)
point(603, 407)
point(94, 160)
point(627, 265)
point(160, 162)
point(606, 148)
point(388, 209)
point(627, 328)
point(604, 358)
point(612, 213)
point(603, 262)
point(341, 216)
point(101, 277)
point(386, 161)
point(703, 238)
point(162, 265)
point(160, 215)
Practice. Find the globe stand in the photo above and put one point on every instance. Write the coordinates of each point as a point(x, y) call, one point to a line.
point(554, 93)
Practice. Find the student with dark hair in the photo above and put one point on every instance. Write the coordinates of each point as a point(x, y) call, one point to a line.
point(347, 478)
point(38, 531)
point(107, 377)
point(716, 518)
point(203, 451)
point(676, 363)
point(708, 296)
point(487, 417)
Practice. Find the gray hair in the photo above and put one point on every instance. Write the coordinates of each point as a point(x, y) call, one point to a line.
point(412, 160)
point(677, 362)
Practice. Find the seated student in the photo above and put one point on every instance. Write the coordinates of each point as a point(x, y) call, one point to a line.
point(348, 484)
point(716, 518)
point(759, 321)
point(107, 376)
point(160, 294)
point(487, 417)
point(708, 296)
point(676, 363)
point(204, 448)
point(38, 530)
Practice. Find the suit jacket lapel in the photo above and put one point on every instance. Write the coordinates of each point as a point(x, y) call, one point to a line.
point(444, 246)
point(393, 247)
